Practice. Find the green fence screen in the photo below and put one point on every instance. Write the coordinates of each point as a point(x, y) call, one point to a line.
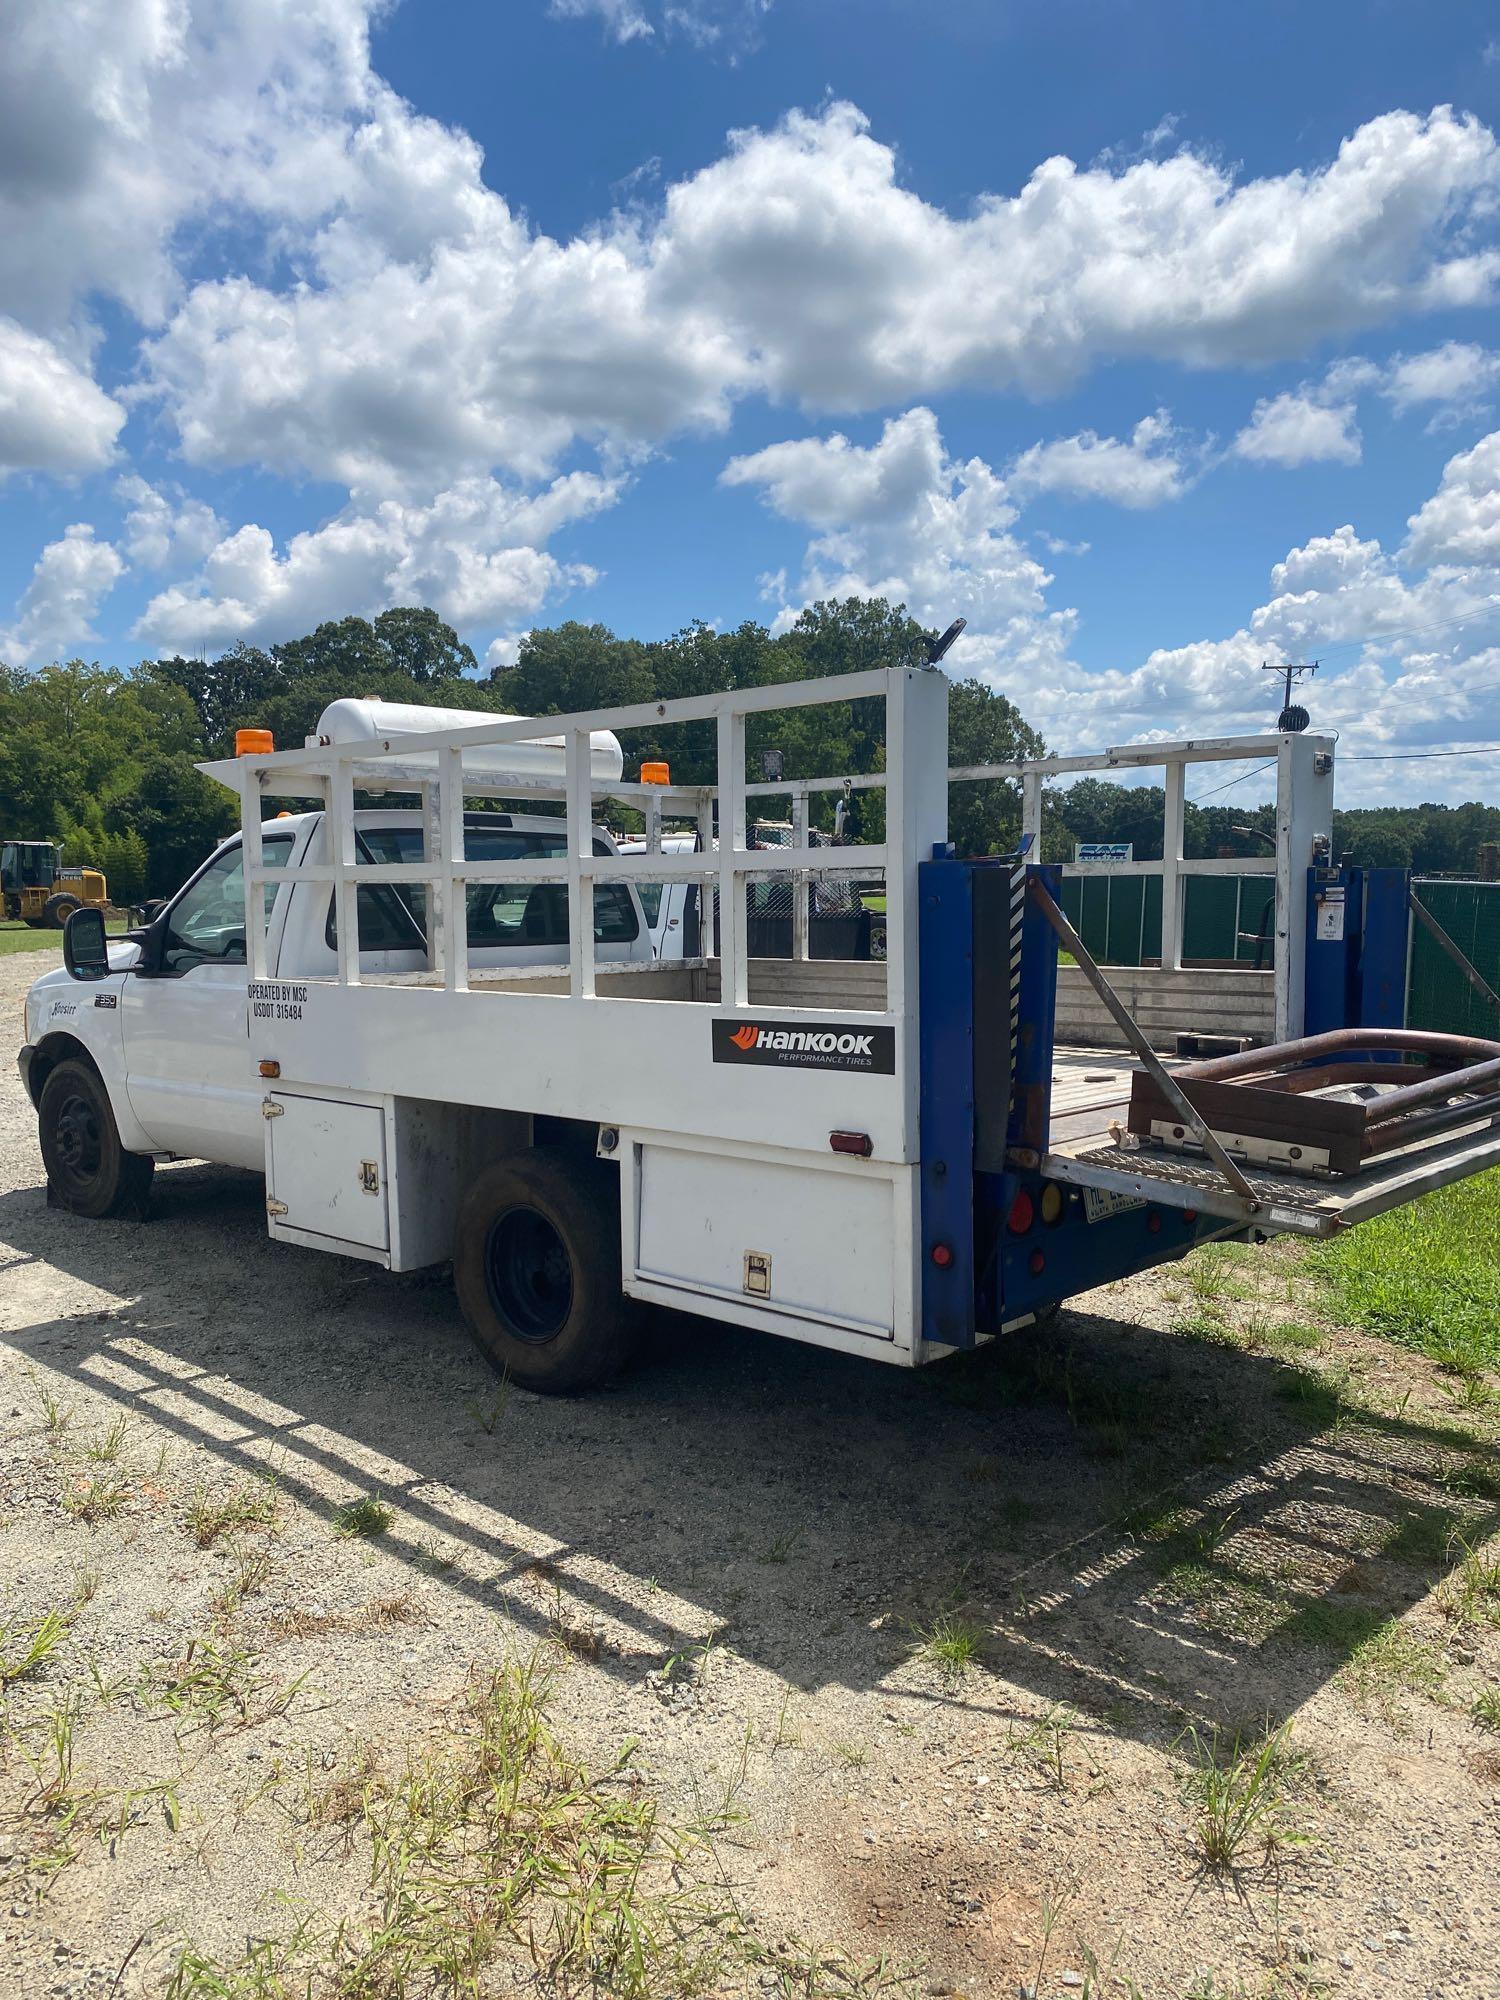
point(1119, 916)
point(1438, 995)
point(1119, 919)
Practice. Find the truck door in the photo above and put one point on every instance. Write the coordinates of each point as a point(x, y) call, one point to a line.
point(186, 1028)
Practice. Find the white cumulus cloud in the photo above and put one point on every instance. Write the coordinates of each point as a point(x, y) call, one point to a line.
point(1461, 522)
point(900, 519)
point(1140, 471)
point(53, 416)
point(1413, 654)
point(70, 581)
point(1456, 376)
point(436, 328)
point(474, 553)
point(1300, 428)
point(165, 529)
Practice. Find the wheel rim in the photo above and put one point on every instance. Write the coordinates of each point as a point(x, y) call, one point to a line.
point(78, 1142)
point(528, 1275)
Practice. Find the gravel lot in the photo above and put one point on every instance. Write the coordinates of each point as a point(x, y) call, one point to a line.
point(764, 1564)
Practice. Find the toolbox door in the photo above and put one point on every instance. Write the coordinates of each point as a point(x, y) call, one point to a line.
point(326, 1171)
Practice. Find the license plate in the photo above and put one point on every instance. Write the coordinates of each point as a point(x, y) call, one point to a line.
point(1099, 1203)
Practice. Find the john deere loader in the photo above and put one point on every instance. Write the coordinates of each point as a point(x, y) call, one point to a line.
point(36, 886)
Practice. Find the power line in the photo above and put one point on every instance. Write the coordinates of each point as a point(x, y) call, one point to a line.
point(1229, 782)
point(1411, 631)
point(1393, 756)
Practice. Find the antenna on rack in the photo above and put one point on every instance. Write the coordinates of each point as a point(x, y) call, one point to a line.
point(1293, 717)
point(938, 647)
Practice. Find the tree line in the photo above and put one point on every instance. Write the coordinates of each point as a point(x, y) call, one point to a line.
point(103, 760)
point(1431, 839)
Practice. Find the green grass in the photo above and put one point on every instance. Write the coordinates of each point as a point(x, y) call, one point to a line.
point(1426, 1276)
point(18, 936)
point(1393, 1661)
point(210, 1515)
point(1474, 1590)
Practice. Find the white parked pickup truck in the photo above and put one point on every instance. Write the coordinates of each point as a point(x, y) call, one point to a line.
point(155, 1060)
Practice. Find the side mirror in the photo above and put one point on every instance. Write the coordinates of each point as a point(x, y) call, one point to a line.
point(85, 953)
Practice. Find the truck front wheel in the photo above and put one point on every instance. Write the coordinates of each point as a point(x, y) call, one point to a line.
point(536, 1263)
point(88, 1170)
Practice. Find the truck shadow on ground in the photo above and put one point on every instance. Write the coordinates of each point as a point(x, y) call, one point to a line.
point(1151, 1529)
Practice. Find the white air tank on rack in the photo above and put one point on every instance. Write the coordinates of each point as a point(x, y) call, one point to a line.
point(381, 722)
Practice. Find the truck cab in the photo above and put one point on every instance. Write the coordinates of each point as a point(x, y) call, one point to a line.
point(166, 1034)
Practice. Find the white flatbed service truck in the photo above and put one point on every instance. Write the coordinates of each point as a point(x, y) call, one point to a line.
point(444, 1033)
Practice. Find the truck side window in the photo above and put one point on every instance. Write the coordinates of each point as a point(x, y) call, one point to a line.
point(206, 925)
point(499, 913)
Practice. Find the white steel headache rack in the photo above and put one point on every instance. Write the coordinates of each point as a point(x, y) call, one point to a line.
point(717, 1082)
point(1304, 766)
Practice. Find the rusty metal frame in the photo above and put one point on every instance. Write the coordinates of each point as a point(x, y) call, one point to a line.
point(1268, 1093)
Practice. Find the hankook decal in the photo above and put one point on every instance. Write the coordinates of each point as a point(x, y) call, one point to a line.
point(787, 1045)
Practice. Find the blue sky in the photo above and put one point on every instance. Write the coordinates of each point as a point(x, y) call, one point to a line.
point(1154, 339)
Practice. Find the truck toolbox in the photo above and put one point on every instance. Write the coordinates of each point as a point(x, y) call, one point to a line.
point(325, 1172)
point(756, 1234)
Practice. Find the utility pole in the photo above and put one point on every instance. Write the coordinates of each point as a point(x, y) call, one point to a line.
point(1293, 717)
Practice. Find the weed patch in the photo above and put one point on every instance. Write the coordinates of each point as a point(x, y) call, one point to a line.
point(498, 1841)
point(365, 1518)
point(1221, 1598)
point(382, 1614)
point(210, 1515)
point(24, 1649)
point(1241, 1798)
point(951, 1643)
point(1391, 1662)
point(1473, 1593)
point(94, 1500)
point(212, 1685)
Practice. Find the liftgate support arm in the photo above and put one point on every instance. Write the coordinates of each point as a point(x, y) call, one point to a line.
point(1157, 1069)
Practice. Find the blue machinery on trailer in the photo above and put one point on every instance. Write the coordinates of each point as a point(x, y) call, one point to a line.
point(1013, 1224)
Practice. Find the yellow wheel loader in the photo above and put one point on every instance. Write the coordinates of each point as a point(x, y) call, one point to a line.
point(36, 886)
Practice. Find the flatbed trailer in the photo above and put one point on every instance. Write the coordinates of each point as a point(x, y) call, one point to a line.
point(891, 1158)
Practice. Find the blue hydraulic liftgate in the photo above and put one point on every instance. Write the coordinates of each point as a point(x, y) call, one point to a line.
point(1000, 1240)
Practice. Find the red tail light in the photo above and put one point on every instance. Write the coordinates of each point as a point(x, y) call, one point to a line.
point(859, 1144)
point(1022, 1214)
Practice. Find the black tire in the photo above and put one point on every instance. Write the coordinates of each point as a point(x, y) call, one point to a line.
point(57, 909)
point(536, 1264)
point(88, 1171)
